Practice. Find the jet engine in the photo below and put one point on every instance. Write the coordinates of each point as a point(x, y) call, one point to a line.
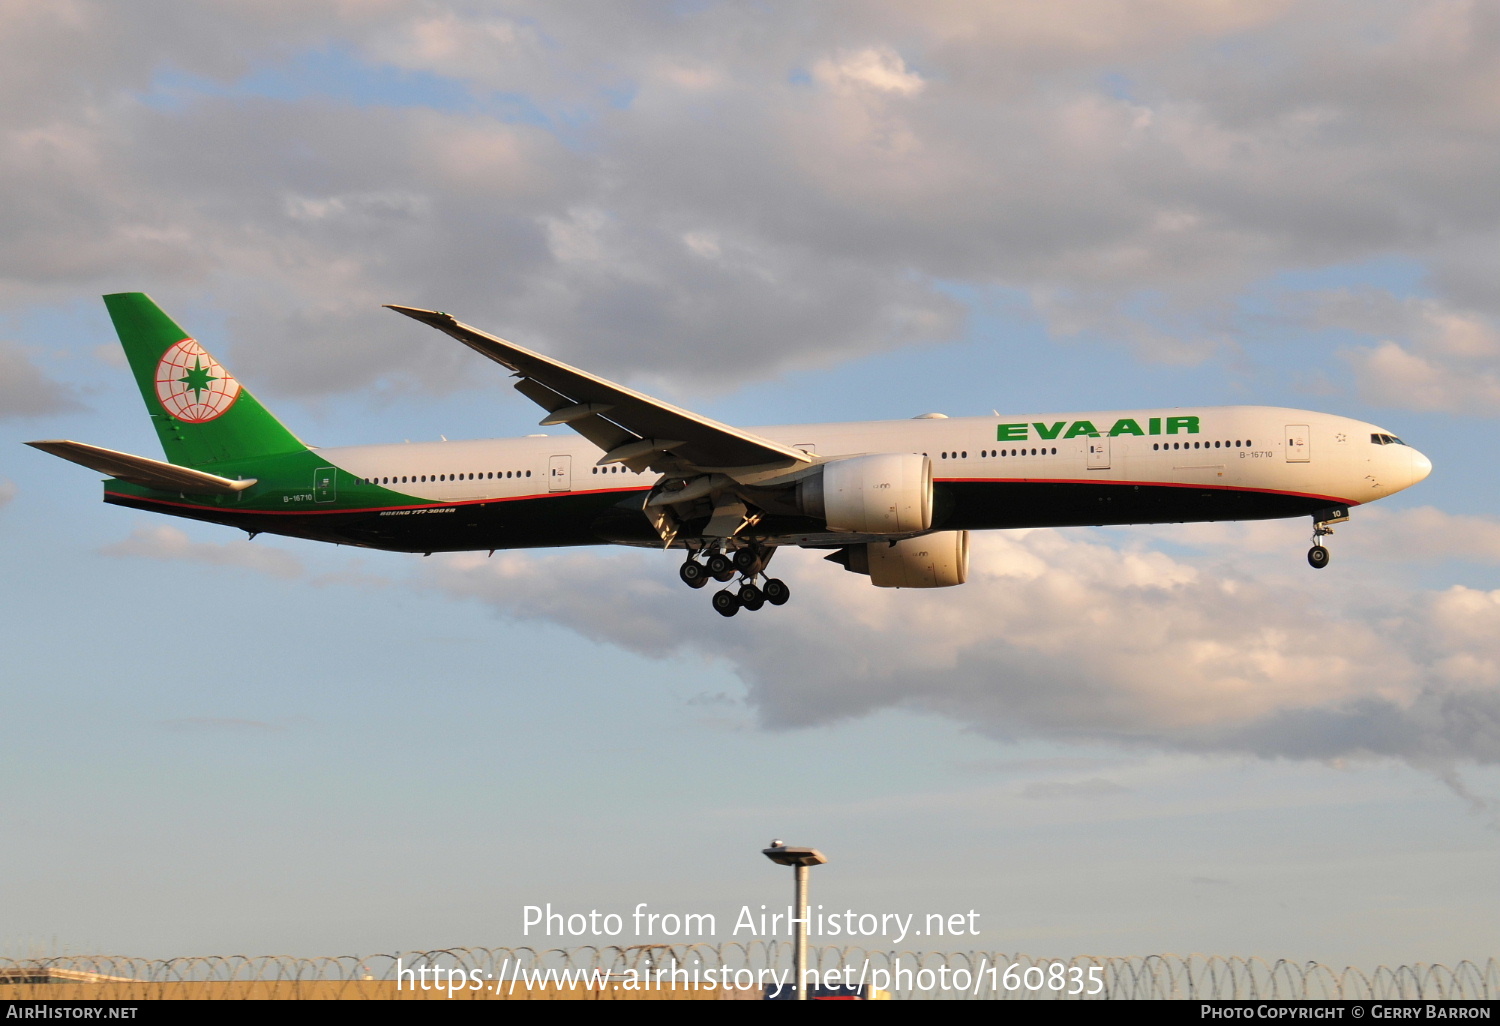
point(883, 493)
point(937, 560)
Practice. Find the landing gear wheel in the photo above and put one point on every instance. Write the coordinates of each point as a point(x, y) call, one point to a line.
point(693, 573)
point(751, 597)
point(747, 561)
point(720, 567)
point(776, 592)
point(1317, 557)
point(726, 603)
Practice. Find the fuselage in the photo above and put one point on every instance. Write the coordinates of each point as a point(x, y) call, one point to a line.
point(1012, 471)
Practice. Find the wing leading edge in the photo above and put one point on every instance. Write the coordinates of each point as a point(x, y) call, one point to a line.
point(630, 427)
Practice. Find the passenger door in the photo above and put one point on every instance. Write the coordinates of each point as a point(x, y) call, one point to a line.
point(1098, 453)
point(325, 484)
point(1298, 443)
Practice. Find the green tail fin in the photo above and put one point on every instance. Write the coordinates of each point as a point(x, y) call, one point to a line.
point(201, 412)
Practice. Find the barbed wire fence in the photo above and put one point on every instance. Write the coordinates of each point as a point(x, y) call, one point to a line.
point(906, 974)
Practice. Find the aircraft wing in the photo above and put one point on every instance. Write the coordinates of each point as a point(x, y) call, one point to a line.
point(631, 427)
point(147, 473)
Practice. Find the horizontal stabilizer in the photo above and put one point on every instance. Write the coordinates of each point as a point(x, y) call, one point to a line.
point(145, 472)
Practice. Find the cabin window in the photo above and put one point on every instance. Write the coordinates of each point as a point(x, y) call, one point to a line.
point(965, 454)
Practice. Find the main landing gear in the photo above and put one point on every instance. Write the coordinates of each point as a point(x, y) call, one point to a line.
point(1323, 521)
point(748, 564)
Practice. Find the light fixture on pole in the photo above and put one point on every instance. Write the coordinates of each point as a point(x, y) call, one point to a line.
point(800, 859)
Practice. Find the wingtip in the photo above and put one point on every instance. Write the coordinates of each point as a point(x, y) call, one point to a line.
point(433, 317)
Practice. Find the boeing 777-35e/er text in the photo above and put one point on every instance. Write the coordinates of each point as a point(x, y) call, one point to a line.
point(894, 500)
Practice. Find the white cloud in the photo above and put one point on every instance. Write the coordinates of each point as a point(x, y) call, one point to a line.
point(1430, 356)
point(165, 542)
point(1057, 635)
point(1420, 535)
point(1388, 375)
point(1060, 636)
point(877, 69)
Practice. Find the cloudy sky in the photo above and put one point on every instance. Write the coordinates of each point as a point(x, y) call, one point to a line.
point(1112, 742)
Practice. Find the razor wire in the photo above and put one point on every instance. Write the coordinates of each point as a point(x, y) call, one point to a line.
point(904, 974)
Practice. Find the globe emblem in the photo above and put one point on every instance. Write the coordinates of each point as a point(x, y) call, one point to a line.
point(192, 386)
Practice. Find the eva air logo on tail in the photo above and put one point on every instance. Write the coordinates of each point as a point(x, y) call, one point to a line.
point(192, 386)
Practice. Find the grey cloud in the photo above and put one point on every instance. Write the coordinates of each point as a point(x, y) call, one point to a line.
point(732, 192)
point(1059, 637)
point(24, 390)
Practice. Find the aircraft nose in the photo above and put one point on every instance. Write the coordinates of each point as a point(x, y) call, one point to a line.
point(1421, 466)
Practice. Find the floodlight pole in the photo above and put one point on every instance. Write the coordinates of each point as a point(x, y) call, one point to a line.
point(799, 955)
point(801, 860)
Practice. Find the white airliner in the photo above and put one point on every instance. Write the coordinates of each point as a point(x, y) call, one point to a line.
point(894, 500)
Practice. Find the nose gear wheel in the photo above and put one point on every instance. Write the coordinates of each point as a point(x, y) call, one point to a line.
point(1323, 521)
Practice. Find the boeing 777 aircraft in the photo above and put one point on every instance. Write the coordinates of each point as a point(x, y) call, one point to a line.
point(894, 500)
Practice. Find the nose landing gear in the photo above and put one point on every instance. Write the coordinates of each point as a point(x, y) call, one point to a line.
point(1323, 521)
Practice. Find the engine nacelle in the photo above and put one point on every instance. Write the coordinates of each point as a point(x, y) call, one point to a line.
point(884, 493)
point(938, 560)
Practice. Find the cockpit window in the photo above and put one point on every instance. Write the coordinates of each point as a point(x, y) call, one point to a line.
point(1379, 439)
